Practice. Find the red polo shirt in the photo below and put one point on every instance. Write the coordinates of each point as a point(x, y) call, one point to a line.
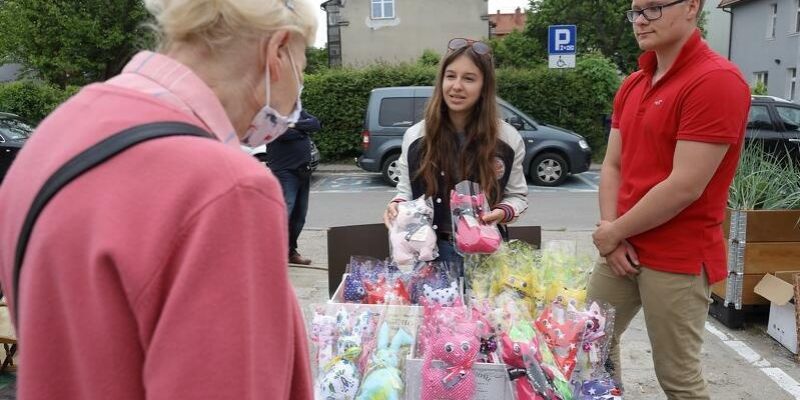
point(704, 98)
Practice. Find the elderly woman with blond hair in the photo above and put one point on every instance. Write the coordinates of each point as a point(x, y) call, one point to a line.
point(160, 272)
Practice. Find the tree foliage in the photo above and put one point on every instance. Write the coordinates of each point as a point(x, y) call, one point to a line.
point(516, 50)
point(316, 59)
point(602, 27)
point(72, 42)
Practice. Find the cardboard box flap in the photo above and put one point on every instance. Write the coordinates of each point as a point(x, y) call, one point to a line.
point(775, 289)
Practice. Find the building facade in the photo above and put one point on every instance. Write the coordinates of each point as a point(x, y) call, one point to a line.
point(765, 36)
point(363, 32)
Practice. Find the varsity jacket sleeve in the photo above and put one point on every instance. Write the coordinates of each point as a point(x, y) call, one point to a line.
point(515, 194)
point(404, 185)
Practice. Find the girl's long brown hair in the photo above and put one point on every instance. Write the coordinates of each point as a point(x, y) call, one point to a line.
point(440, 151)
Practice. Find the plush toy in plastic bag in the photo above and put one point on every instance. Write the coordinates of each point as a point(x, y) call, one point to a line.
point(384, 380)
point(472, 236)
point(340, 378)
point(594, 352)
point(434, 281)
point(599, 389)
point(324, 333)
point(387, 290)
point(363, 269)
point(563, 333)
point(411, 235)
point(447, 367)
point(435, 319)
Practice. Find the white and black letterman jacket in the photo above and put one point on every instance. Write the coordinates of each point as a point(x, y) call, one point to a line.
point(509, 155)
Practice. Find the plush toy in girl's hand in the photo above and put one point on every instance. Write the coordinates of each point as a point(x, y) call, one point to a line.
point(472, 235)
point(412, 237)
point(447, 367)
point(384, 380)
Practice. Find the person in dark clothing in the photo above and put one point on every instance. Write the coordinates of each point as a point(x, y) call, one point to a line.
point(289, 158)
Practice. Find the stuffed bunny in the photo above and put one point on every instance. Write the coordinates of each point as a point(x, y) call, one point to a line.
point(472, 235)
point(412, 237)
point(385, 380)
point(447, 367)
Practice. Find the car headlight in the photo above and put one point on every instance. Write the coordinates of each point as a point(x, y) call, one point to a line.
point(582, 143)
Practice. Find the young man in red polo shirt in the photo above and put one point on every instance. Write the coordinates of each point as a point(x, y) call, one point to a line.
point(677, 131)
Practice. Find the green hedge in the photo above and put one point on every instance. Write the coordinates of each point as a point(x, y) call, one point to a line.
point(32, 100)
point(576, 99)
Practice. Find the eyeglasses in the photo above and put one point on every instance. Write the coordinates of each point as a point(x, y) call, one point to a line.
point(477, 46)
point(650, 13)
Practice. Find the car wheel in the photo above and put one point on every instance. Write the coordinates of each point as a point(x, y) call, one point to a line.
point(549, 169)
point(390, 172)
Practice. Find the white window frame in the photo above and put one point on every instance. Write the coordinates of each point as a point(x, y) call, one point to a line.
point(797, 16)
point(383, 4)
point(791, 87)
point(772, 21)
point(761, 76)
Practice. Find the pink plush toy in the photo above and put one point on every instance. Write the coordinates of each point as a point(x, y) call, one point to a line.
point(447, 368)
point(472, 235)
point(412, 236)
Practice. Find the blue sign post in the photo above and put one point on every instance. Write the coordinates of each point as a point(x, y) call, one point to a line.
point(562, 43)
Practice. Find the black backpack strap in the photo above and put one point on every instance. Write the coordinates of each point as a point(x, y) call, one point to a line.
point(85, 161)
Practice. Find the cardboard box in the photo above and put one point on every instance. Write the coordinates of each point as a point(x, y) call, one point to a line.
point(491, 381)
point(778, 288)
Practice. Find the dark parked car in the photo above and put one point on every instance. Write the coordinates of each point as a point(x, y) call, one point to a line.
point(775, 123)
point(13, 134)
point(551, 153)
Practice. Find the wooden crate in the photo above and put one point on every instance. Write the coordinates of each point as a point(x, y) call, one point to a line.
point(765, 241)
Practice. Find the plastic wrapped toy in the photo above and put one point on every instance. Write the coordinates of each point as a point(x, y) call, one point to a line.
point(563, 333)
point(324, 333)
point(340, 378)
point(599, 389)
point(433, 280)
point(472, 236)
point(387, 290)
point(447, 367)
point(411, 236)
point(384, 379)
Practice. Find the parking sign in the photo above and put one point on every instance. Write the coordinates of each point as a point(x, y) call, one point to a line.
point(562, 43)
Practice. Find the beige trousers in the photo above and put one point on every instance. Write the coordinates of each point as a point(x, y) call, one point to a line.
point(675, 309)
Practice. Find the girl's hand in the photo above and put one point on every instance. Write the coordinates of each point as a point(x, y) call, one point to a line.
point(495, 216)
point(390, 214)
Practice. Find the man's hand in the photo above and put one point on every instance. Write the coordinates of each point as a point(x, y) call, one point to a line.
point(606, 238)
point(390, 214)
point(495, 216)
point(623, 260)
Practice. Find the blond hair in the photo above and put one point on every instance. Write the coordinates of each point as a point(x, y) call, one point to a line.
point(220, 22)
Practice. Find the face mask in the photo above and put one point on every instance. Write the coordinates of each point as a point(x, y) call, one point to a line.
point(269, 124)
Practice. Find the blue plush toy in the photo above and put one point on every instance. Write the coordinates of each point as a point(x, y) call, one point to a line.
point(384, 379)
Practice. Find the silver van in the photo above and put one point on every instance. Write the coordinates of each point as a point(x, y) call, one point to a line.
point(551, 153)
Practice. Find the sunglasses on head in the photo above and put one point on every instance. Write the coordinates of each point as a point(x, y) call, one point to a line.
point(477, 46)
